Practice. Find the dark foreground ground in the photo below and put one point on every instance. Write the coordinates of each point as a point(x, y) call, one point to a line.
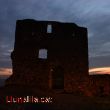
point(60, 100)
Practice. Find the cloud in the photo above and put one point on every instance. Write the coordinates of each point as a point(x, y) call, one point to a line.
point(94, 15)
point(5, 52)
point(100, 50)
point(5, 71)
point(105, 47)
point(102, 70)
point(100, 61)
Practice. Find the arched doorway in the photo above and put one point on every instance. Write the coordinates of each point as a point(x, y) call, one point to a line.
point(57, 77)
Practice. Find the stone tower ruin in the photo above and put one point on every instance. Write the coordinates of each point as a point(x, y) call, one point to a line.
point(48, 54)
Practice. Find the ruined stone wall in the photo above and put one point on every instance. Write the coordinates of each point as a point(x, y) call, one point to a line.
point(67, 49)
point(93, 85)
point(66, 65)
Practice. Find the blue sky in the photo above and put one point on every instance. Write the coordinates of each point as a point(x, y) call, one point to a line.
point(94, 14)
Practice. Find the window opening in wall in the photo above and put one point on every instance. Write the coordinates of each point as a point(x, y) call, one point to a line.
point(49, 28)
point(42, 54)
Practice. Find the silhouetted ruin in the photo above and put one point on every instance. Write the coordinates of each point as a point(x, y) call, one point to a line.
point(48, 51)
point(53, 55)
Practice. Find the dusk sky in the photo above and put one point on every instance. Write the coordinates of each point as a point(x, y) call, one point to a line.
point(94, 14)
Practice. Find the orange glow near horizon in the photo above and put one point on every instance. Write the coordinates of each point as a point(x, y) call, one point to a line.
point(5, 71)
point(92, 71)
point(102, 70)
